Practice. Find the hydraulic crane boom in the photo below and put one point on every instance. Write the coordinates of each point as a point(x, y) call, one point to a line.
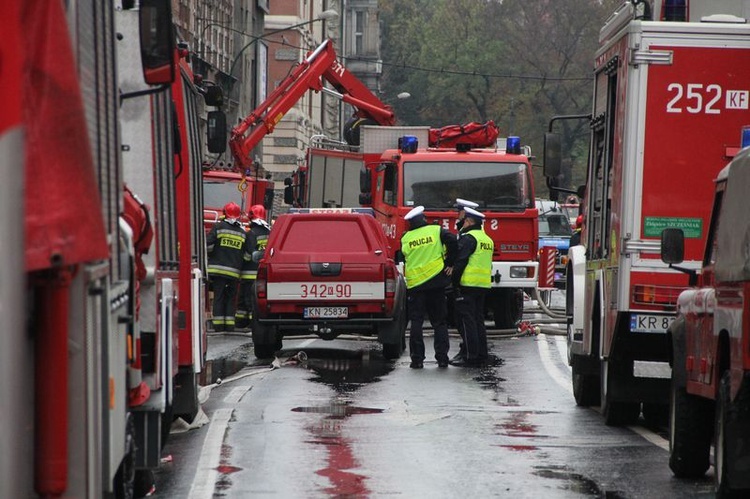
point(320, 63)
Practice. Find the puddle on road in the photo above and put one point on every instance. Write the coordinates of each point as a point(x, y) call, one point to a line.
point(574, 482)
point(220, 369)
point(346, 371)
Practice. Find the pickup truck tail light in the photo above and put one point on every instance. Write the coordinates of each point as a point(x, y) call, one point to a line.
point(261, 282)
point(390, 281)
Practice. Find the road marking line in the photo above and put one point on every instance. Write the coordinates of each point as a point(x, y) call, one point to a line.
point(206, 474)
point(306, 342)
point(236, 394)
point(562, 347)
point(651, 437)
point(554, 372)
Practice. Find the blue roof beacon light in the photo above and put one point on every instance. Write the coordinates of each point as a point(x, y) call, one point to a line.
point(513, 145)
point(745, 136)
point(408, 144)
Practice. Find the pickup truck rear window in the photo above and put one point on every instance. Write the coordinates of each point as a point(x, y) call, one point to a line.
point(338, 236)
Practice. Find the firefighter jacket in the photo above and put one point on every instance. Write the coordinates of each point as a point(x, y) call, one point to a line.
point(427, 249)
point(227, 247)
point(257, 238)
point(473, 266)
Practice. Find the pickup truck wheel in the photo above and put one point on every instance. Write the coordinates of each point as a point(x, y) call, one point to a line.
point(689, 433)
point(397, 330)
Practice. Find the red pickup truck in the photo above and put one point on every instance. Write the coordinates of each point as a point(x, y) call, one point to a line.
point(327, 272)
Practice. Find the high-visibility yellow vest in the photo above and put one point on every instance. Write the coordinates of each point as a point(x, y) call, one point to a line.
point(423, 252)
point(478, 272)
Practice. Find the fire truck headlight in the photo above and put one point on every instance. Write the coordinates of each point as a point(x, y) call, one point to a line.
point(519, 272)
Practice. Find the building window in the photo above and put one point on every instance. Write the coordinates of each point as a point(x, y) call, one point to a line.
point(358, 33)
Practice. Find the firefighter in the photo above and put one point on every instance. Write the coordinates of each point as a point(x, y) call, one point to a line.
point(227, 246)
point(257, 236)
point(427, 272)
point(472, 276)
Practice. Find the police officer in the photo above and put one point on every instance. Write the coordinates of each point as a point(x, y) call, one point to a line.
point(427, 275)
point(257, 237)
point(226, 246)
point(471, 276)
point(460, 219)
point(460, 205)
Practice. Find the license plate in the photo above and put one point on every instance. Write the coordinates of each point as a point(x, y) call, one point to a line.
point(325, 312)
point(646, 323)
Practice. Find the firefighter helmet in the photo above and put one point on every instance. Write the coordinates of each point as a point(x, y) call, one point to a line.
point(231, 210)
point(258, 211)
point(579, 221)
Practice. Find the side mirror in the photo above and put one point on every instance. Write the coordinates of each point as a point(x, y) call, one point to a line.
point(288, 181)
point(214, 96)
point(288, 194)
point(157, 41)
point(217, 132)
point(581, 191)
point(672, 246)
point(258, 255)
point(365, 180)
point(552, 154)
point(365, 199)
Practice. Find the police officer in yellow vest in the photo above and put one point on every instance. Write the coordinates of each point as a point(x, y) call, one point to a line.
point(471, 276)
point(460, 205)
point(427, 274)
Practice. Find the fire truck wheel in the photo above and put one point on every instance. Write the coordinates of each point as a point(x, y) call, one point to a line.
point(394, 334)
point(144, 483)
point(689, 433)
point(125, 476)
point(656, 414)
point(722, 467)
point(506, 309)
point(616, 413)
point(586, 389)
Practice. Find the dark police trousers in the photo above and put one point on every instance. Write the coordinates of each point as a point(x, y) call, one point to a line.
point(470, 321)
point(429, 302)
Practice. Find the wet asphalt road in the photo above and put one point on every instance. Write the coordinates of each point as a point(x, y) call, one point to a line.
point(347, 423)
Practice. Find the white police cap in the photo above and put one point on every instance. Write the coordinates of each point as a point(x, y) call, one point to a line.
point(465, 203)
point(415, 212)
point(471, 212)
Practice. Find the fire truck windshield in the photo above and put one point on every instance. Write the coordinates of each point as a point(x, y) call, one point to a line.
point(217, 194)
point(495, 186)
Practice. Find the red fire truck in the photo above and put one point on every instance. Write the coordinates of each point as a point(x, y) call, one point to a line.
point(668, 99)
point(75, 290)
point(709, 355)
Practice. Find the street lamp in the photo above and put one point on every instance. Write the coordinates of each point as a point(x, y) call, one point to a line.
point(326, 14)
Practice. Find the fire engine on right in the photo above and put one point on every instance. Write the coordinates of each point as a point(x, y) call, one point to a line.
point(671, 90)
point(709, 340)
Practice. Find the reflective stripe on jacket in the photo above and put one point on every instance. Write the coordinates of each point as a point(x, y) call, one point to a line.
point(478, 271)
point(226, 247)
point(423, 252)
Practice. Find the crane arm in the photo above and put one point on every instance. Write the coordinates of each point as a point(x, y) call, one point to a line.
point(319, 64)
point(267, 115)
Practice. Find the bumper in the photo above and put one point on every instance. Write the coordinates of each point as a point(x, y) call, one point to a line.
point(510, 274)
